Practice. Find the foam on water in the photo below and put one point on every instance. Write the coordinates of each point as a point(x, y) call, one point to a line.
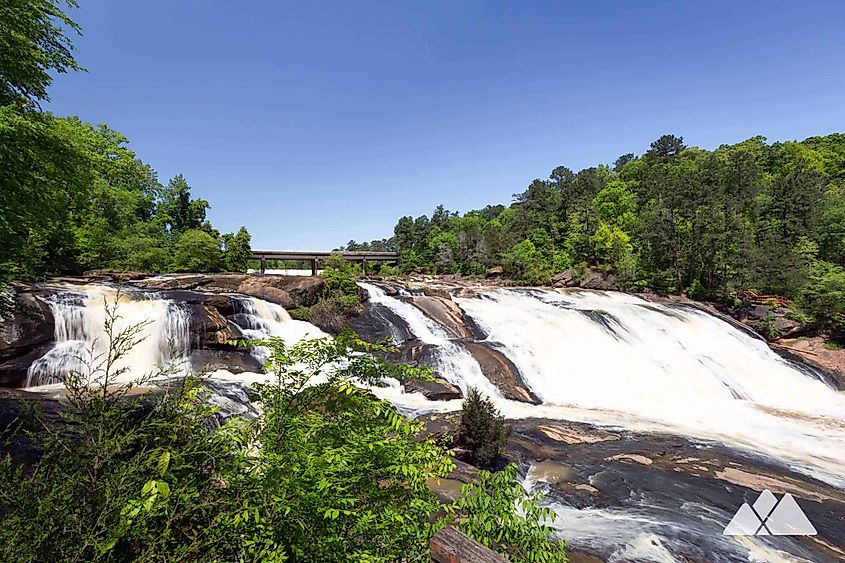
point(648, 366)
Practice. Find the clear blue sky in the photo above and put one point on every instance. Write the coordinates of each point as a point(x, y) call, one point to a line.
point(313, 123)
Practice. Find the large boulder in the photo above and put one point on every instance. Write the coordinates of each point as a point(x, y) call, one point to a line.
point(444, 312)
point(223, 303)
point(26, 334)
point(567, 278)
point(210, 328)
point(254, 287)
point(436, 390)
point(180, 282)
point(236, 360)
point(596, 279)
point(502, 372)
point(288, 291)
point(375, 323)
point(772, 322)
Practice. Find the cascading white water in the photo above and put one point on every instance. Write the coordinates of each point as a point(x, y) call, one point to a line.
point(81, 340)
point(454, 362)
point(260, 319)
point(621, 360)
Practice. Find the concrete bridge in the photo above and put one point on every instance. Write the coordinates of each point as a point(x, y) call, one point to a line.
point(314, 257)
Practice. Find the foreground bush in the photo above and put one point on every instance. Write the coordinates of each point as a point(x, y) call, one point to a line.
point(328, 472)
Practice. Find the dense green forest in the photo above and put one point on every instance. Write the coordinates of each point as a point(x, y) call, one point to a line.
point(73, 196)
point(749, 216)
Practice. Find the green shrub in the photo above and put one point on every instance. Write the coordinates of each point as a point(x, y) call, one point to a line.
point(486, 510)
point(339, 297)
point(197, 251)
point(482, 430)
point(526, 264)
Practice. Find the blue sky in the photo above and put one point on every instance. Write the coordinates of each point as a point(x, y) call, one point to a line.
point(313, 123)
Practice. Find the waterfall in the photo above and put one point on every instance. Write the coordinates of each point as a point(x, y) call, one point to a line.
point(81, 340)
point(259, 319)
point(620, 360)
point(454, 363)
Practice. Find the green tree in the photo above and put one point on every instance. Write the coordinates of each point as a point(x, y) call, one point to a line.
point(44, 180)
point(823, 297)
point(525, 263)
point(33, 43)
point(197, 251)
point(482, 430)
point(178, 210)
point(236, 250)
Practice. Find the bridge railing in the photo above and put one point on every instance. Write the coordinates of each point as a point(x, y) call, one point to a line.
point(314, 257)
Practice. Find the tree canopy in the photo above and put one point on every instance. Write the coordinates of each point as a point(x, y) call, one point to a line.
point(760, 216)
point(74, 196)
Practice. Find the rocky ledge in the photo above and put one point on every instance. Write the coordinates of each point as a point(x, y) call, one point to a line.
point(27, 333)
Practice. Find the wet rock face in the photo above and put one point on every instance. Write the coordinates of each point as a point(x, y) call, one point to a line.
point(210, 328)
point(593, 279)
point(773, 322)
point(268, 292)
point(236, 361)
point(445, 312)
point(437, 390)
point(377, 324)
point(683, 492)
point(416, 353)
point(502, 372)
point(26, 334)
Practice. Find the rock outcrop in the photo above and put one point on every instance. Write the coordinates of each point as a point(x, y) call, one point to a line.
point(26, 334)
point(444, 312)
point(592, 279)
point(288, 291)
point(501, 371)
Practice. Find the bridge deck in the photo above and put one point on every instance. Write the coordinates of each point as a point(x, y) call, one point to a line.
point(309, 255)
point(314, 257)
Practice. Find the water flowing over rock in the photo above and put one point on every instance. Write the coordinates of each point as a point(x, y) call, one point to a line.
point(501, 371)
point(646, 422)
point(287, 291)
point(444, 312)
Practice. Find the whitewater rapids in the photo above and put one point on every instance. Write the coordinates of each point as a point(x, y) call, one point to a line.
point(617, 360)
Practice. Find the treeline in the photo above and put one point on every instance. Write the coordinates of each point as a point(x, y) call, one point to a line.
point(73, 196)
point(749, 216)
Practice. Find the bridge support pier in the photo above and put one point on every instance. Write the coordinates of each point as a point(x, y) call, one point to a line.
point(263, 264)
point(314, 267)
